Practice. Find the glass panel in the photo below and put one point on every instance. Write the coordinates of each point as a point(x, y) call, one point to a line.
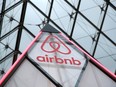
point(105, 53)
point(84, 32)
point(109, 27)
point(9, 3)
point(11, 19)
point(92, 10)
point(27, 38)
point(34, 21)
point(64, 20)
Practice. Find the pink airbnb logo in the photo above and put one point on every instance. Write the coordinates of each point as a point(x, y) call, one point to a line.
point(55, 45)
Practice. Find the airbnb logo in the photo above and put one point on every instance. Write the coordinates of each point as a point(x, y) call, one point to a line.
point(57, 60)
point(55, 45)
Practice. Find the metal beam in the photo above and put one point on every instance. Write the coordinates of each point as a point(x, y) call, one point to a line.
point(109, 3)
point(2, 16)
point(50, 11)
point(75, 18)
point(100, 30)
point(20, 29)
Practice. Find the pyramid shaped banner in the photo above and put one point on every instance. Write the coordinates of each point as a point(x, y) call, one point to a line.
point(52, 60)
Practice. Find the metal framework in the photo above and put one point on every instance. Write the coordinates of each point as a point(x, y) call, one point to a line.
point(76, 13)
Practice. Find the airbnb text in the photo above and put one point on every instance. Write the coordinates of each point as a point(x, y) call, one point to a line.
point(58, 60)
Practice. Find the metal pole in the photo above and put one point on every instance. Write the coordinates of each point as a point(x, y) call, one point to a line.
point(50, 11)
point(100, 30)
point(75, 18)
point(2, 16)
point(20, 30)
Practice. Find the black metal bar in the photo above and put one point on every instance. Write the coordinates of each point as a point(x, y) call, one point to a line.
point(7, 34)
point(29, 32)
point(7, 57)
point(12, 7)
point(20, 29)
point(44, 73)
point(75, 18)
point(50, 11)
point(109, 3)
point(100, 30)
point(91, 23)
point(2, 16)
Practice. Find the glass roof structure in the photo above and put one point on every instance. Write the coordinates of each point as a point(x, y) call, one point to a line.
point(91, 24)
